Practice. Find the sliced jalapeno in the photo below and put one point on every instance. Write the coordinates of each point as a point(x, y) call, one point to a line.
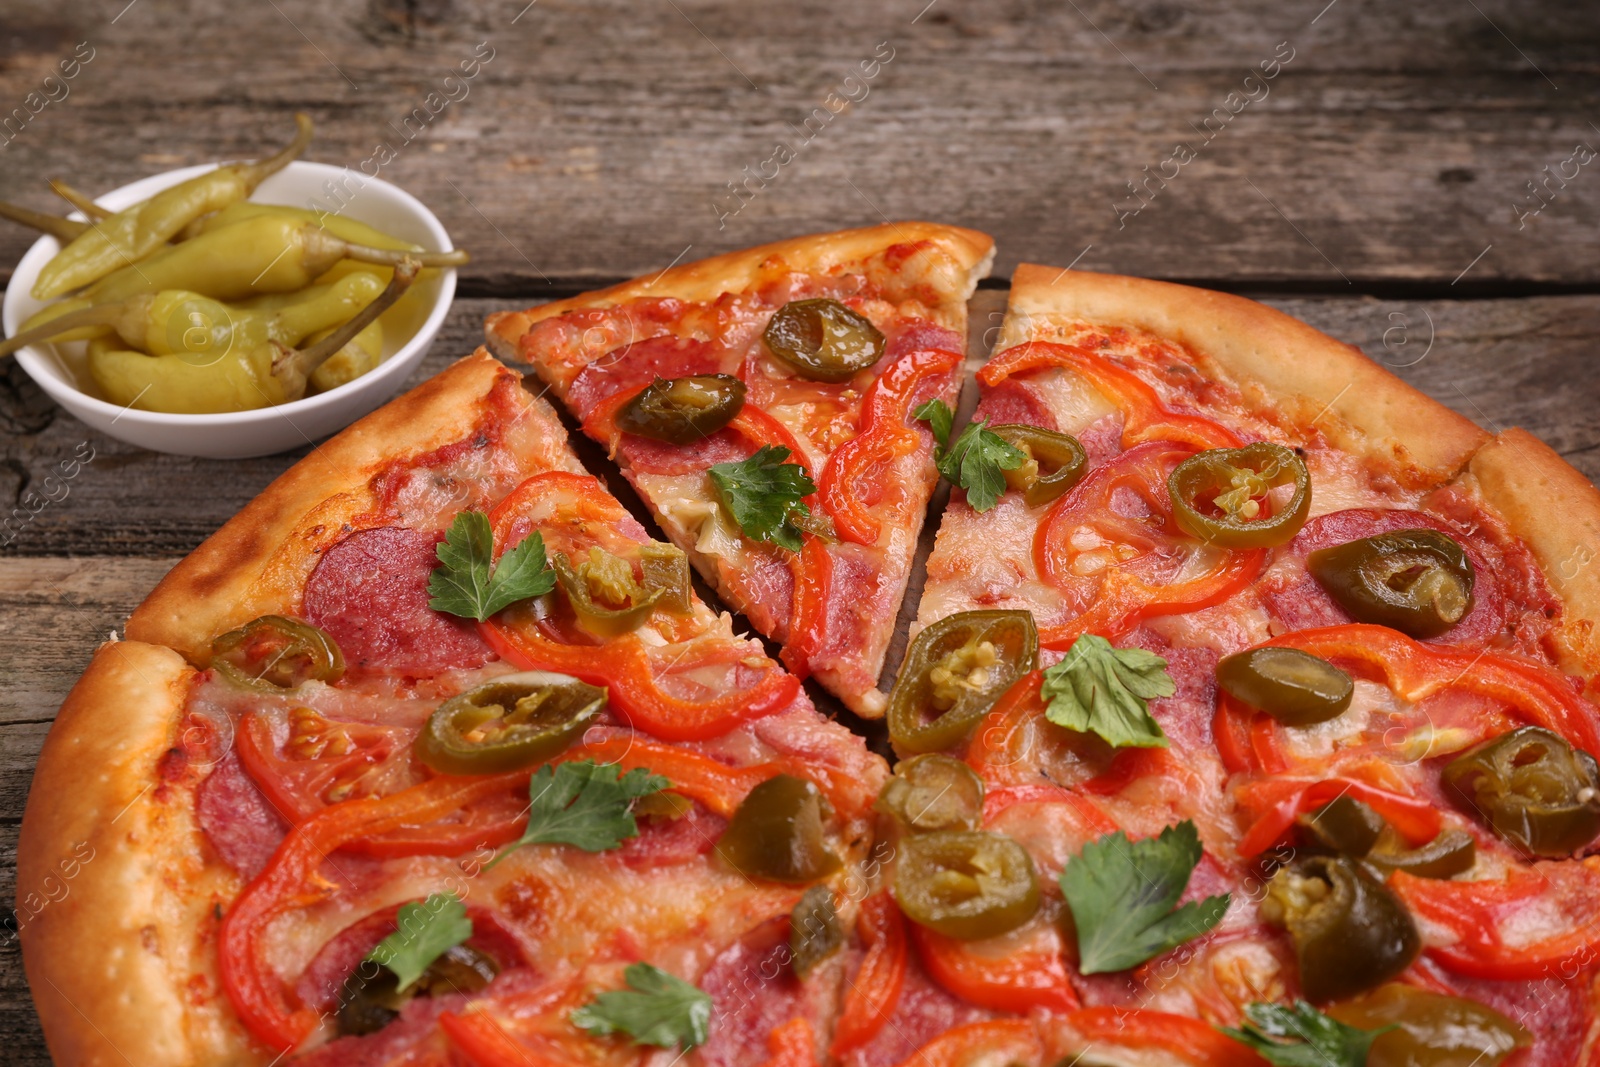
point(274, 653)
point(933, 792)
point(1055, 463)
point(1294, 687)
point(1451, 853)
point(968, 884)
point(1344, 824)
point(371, 997)
point(1416, 581)
point(1350, 932)
point(605, 596)
point(666, 567)
point(1220, 496)
point(777, 833)
point(823, 340)
point(515, 721)
point(814, 932)
point(1430, 1029)
point(682, 411)
point(1532, 789)
point(954, 672)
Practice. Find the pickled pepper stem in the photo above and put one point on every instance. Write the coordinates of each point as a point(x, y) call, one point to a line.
point(62, 229)
point(258, 171)
point(103, 315)
point(79, 200)
point(315, 355)
point(394, 257)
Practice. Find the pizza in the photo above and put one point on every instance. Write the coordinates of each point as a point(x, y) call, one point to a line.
point(805, 360)
point(1247, 716)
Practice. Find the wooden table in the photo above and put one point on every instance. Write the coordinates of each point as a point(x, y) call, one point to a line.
point(1371, 177)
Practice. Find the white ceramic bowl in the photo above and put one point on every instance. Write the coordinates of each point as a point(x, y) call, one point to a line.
point(267, 430)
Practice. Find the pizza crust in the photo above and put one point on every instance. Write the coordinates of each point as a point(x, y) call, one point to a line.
point(1556, 512)
point(114, 864)
point(258, 562)
point(1278, 362)
point(967, 251)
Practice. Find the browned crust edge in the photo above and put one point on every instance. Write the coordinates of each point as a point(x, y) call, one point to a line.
point(238, 573)
point(113, 884)
point(1278, 361)
point(1556, 512)
point(708, 279)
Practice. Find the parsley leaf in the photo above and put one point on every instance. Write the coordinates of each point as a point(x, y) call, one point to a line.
point(1323, 1041)
point(471, 585)
point(763, 493)
point(657, 1009)
point(1103, 690)
point(1122, 894)
point(584, 804)
point(976, 461)
point(426, 932)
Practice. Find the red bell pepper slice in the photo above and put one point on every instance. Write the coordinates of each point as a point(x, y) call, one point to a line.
point(1418, 821)
point(258, 997)
point(884, 435)
point(1473, 912)
point(1145, 417)
point(792, 1045)
point(989, 752)
point(987, 1042)
point(1117, 597)
point(1195, 1043)
point(875, 990)
point(1013, 982)
point(1414, 671)
point(625, 665)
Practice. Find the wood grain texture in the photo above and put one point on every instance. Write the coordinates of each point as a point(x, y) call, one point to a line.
point(598, 140)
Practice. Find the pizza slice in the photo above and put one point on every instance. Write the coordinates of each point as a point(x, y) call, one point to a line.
point(431, 756)
point(762, 403)
point(1231, 650)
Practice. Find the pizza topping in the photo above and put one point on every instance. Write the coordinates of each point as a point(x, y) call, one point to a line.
point(1106, 691)
point(425, 932)
point(1302, 1036)
point(1417, 581)
point(814, 930)
point(1344, 824)
point(1294, 687)
point(584, 804)
point(512, 722)
point(977, 461)
point(374, 996)
point(370, 593)
point(777, 833)
point(657, 1008)
point(681, 411)
point(966, 884)
point(1417, 1028)
point(1532, 789)
point(471, 583)
point(1224, 496)
point(933, 792)
point(606, 598)
point(764, 494)
point(274, 653)
point(823, 340)
point(1053, 462)
point(1453, 852)
point(637, 364)
point(954, 672)
point(1123, 895)
point(1350, 933)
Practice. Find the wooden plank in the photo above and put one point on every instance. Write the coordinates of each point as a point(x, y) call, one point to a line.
point(1393, 148)
point(1500, 362)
